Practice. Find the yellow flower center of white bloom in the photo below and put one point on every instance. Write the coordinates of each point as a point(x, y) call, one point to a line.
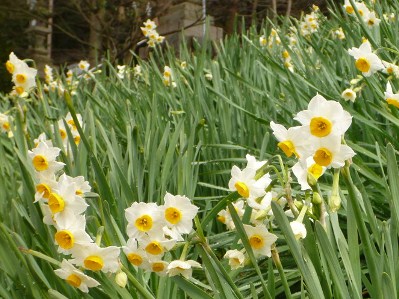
point(10, 67)
point(72, 123)
point(288, 148)
point(94, 262)
point(361, 12)
point(316, 170)
point(173, 215)
point(235, 261)
point(348, 94)
point(323, 157)
point(43, 188)
point(19, 89)
point(79, 192)
point(256, 241)
point(393, 102)
point(63, 134)
point(371, 22)
point(77, 140)
point(40, 163)
point(135, 259)
point(6, 126)
point(74, 280)
point(242, 189)
point(221, 219)
point(167, 74)
point(21, 78)
point(320, 126)
point(349, 9)
point(56, 203)
point(144, 223)
point(154, 248)
point(158, 267)
point(363, 65)
point(65, 239)
point(286, 54)
point(389, 69)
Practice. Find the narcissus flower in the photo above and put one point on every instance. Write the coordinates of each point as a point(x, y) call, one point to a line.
point(77, 185)
point(260, 239)
point(71, 232)
point(155, 244)
point(135, 255)
point(75, 277)
point(291, 140)
point(185, 268)
point(143, 218)
point(298, 229)
point(262, 41)
point(24, 77)
point(5, 123)
point(157, 266)
point(43, 158)
point(323, 117)
point(305, 168)
point(366, 61)
point(179, 213)
point(390, 97)
point(84, 65)
point(13, 63)
point(349, 95)
point(92, 257)
point(236, 258)
point(260, 203)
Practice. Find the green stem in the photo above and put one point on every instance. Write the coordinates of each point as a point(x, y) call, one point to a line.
point(184, 252)
point(277, 262)
point(41, 256)
point(334, 202)
point(143, 291)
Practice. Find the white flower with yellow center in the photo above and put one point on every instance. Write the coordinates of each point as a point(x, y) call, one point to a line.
point(155, 244)
point(260, 203)
point(24, 78)
point(44, 187)
point(5, 123)
point(260, 239)
point(75, 277)
point(92, 257)
point(78, 185)
point(185, 268)
point(42, 138)
point(43, 158)
point(262, 41)
point(236, 259)
point(390, 97)
point(179, 213)
point(84, 65)
point(135, 255)
point(366, 61)
point(224, 216)
point(13, 63)
point(137, 71)
point(291, 140)
point(143, 218)
point(157, 266)
point(349, 95)
point(298, 229)
point(323, 118)
point(329, 152)
point(71, 233)
point(303, 168)
point(150, 25)
point(391, 69)
point(371, 20)
point(48, 74)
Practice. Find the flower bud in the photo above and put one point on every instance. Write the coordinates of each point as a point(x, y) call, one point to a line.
point(121, 279)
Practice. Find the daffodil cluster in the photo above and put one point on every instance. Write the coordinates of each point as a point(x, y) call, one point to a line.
point(168, 77)
point(5, 124)
point(153, 36)
point(310, 23)
point(63, 203)
point(368, 16)
point(23, 76)
point(154, 230)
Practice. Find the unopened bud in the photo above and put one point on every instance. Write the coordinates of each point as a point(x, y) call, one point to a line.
point(334, 202)
point(121, 279)
point(316, 200)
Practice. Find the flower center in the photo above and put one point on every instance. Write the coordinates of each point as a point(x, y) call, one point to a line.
point(65, 239)
point(21, 78)
point(74, 280)
point(56, 203)
point(154, 248)
point(158, 267)
point(63, 134)
point(43, 189)
point(144, 223)
point(320, 126)
point(94, 262)
point(288, 148)
point(19, 89)
point(77, 140)
point(316, 170)
point(323, 157)
point(221, 219)
point(10, 67)
point(363, 65)
point(135, 259)
point(173, 215)
point(72, 123)
point(393, 102)
point(6, 126)
point(256, 241)
point(40, 163)
point(242, 189)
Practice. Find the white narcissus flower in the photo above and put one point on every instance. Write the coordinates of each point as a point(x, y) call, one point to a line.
point(135, 255)
point(43, 158)
point(262, 41)
point(349, 95)
point(75, 277)
point(78, 184)
point(371, 20)
point(329, 152)
point(179, 213)
point(84, 65)
point(45, 186)
point(260, 203)
point(157, 266)
point(71, 232)
point(323, 117)
point(391, 69)
point(291, 140)
point(224, 216)
point(185, 268)
point(236, 258)
point(303, 168)
point(366, 61)
point(13, 63)
point(43, 138)
point(155, 244)
point(298, 229)
point(5, 123)
point(143, 218)
point(92, 257)
point(390, 97)
point(24, 77)
point(260, 239)
point(137, 71)
point(150, 25)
